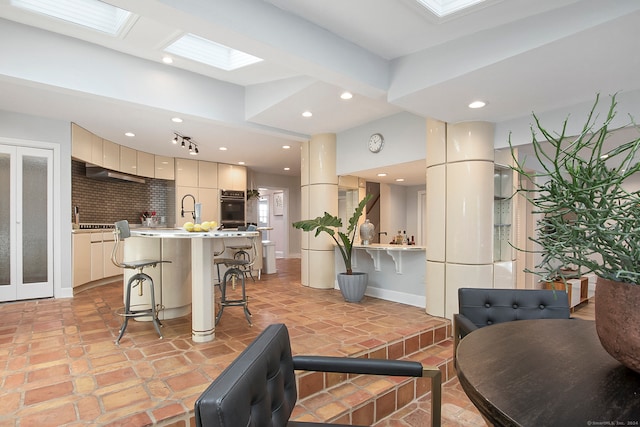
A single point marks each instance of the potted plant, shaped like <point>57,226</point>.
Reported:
<point>352,284</point>
<point>591,222</point>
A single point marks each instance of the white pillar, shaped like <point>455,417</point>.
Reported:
<point>460,166</point>
<point>319,188</point>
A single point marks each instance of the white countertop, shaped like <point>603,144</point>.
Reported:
<point>182,233</point>
<point>389,247</point>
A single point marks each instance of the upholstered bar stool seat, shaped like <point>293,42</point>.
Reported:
<point>138,280</point>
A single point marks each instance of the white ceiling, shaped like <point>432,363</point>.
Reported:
<point>518,55</point>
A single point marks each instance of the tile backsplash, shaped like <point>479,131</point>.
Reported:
<point>109,201</point>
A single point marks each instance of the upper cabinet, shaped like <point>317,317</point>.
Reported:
<point>186,173</point>
<point>110,155</point>
<point>232,177</point>
<point>128,160</point>
<point>146,164</point>
<point>207,174</point>
<point>86,146</point>
<point>164,167</point>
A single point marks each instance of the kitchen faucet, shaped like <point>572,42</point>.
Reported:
<point>193,212</point>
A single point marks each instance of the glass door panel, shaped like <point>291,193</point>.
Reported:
<point>35,202</point>
<point>26,219</point>
<point>6,241</point>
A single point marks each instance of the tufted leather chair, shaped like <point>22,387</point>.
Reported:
<point>258,389</point>
<point>479,307</point>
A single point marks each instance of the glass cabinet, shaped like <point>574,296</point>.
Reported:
<point>502,213</point>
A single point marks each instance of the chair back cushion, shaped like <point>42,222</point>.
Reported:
<point>257,389</point>
<point>489,306</point>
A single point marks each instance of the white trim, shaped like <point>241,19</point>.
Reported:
<point>58,290</point>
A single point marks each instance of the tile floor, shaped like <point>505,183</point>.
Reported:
<point>61,367</point>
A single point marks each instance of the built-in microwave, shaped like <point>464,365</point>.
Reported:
<point>232,208</point>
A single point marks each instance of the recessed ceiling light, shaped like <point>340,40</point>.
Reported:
<point>477,104</point>
<point>286,147</point>
<point>130,134</point>
<point>346,95</point>
<point>167,60</point>
<point>382,174</point>
<point>307,114</point>
<point>241,163</point>
<point>287,169</point>
<point>176,120</point>
<point>222,148</point>
<point>399,179</point>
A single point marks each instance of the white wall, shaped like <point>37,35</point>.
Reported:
<point>293,204</point>
<point>404,136</point>
<point>25,127</point>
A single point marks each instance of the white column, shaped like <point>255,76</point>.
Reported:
<point>319,188</point>
<point>460,166</point>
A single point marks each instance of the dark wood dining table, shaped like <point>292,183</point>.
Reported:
<point>549,372</point>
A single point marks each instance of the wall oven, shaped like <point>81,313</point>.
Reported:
<point>232,209</point>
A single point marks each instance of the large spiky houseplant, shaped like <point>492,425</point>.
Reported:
<point>590,220</point>
<point>331,225</point>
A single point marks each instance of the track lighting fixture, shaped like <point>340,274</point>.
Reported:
<point>185,141</point>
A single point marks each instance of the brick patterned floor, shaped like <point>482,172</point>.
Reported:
<point>60,365</point>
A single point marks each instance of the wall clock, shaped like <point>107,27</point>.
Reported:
<point>376,142</point>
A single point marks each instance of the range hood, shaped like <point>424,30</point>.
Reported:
<point>97,172</point>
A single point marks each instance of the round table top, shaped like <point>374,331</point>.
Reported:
<point>548,372</point>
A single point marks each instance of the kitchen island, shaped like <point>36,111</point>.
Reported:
<point>396,272</point>
<point>190,281</point>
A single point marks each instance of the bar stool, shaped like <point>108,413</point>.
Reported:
<point>236,271</point>
<point>233,275</point>
<point>122,232</point>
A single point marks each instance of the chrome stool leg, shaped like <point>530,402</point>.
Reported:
<point>233,274</point>
<point>128,313</point>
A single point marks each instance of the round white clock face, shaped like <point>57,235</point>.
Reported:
<point>376,141</point>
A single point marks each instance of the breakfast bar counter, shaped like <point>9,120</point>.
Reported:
<point>190,279</point>
<point>396,272</point>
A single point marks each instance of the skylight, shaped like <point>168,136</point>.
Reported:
<point>207,52</point>
<point>93,14</point>
<point>446,7</point>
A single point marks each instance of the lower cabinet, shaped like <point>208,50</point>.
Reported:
<point>81,248</point>
<point>92,257</point>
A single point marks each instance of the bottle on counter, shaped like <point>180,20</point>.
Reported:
<point>405,240</point>
<point>413,242</point>
<point>398,240</point>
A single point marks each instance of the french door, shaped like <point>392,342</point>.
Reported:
<point>26,223</point>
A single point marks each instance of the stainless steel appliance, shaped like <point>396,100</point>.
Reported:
<point>232,208</point>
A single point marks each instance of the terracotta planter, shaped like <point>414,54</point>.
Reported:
<point>618,321</point>
<point>353,286</point>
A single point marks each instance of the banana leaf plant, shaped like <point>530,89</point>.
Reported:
<point>331,224</point>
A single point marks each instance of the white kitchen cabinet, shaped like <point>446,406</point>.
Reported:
<point>110,155</point>
<point>81,258</point>
<point>232,177</point>
<point>186,172</point>
<point>209,197</point>
<point>207,174</point>
<point>128,161</point>
<point>80,143</point>
<point>97,257</point>
<point>85,146</point>
<point>108,242</point>
<point>164,167</point>
<point>146,164</point>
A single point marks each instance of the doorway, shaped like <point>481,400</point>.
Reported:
<point>26,223</point>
